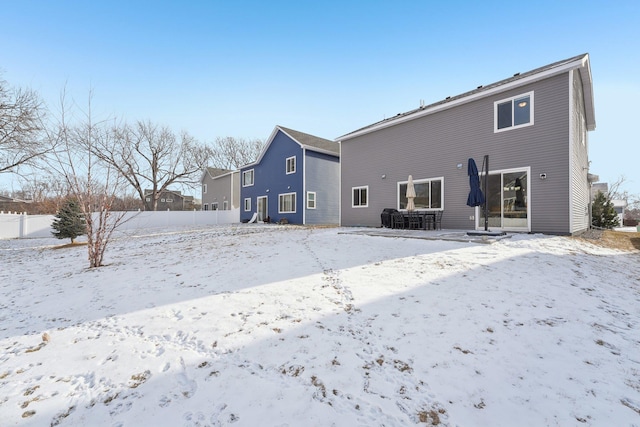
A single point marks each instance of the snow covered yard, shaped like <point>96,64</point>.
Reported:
<point>288,326</point>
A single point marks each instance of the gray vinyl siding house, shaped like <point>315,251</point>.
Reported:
<point>538,162</point>
<point>220,189</point>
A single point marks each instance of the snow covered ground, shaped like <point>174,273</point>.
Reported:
<point>263,325</point>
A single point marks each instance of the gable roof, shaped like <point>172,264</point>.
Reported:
<point>215,173</point>
<point>304,140</point>
<point>580,63</point>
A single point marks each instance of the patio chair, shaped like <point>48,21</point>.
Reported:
<point>430,221</point>
<point>438,221</point>
<point>414,222</point>
<point>397,220</point>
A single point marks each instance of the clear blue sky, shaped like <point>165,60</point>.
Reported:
<point>238,68</point>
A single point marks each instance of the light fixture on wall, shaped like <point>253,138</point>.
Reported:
<point>459,165</point>
<point>543,176</point>
<point>383,176</point>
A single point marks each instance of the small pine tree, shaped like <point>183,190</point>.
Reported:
<point>603,214</point>
<point>69,222</point>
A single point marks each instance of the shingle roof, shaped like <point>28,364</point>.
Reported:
<point>311,141</point>
<point>558,66</point>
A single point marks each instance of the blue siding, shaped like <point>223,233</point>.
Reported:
<point>271,179</point>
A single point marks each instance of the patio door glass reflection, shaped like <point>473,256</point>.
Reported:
<point>262,208</point>
<point>507,198</point>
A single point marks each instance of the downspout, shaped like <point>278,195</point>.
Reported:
<point>485,161</point>
<point>304,186</point>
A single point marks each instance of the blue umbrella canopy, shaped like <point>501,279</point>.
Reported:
<point>476,198</point>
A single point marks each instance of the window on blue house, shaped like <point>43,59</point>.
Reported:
<point>247,178</point>
<point>311,199</point>
<point>291,164</point>
<point>287,203</point>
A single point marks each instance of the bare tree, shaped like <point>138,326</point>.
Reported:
<point>94,184</point>
<point>616,192</point>
<point>233,153</point>
<point>21,126</point>
<point>152,157</point>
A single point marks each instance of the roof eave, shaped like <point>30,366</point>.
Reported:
<point>581,63</point>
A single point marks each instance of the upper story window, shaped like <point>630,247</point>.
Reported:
<point>247,178</point>
<point>512,113</point>
<point>291,164</point>
<point>204,188</point>
<point>360,197</point>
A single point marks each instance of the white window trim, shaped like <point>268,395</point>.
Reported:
<point>421,181</point>
<point>247,204</point>
<point>361,187</point>
<point>204,188</point>
<point>225,205</point>
<point>512,98</point>
<point>315,199</point>
<point>214,206</point>
<point>287,165</point>
<point>253,178</point>
<point>502,172</point>
<point>293,204</point>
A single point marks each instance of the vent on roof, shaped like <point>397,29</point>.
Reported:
<point>479,87</point>
<point>448,97</point>
<point>516,74</point>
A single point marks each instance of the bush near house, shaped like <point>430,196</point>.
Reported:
<point>603,213</point>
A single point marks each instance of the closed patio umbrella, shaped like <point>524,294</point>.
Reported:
<point>411,194</point>
<point>476,198</point>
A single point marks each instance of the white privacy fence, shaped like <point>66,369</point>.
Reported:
<point>15,225</point>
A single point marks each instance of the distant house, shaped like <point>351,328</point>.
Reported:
<point>8,203</point>
<point>220,189</point>
<point>295,178</point>
<point>171,200</point>
<point>531,127</point>
<point>620,206</point>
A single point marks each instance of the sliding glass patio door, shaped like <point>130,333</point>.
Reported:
<point>508,201</point>
<point>263,208</point>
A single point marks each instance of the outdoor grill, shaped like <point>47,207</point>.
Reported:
<point>385,216</point>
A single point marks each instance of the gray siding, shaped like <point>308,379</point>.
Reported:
<point>322,175</point>
<point>221,188</point>
<point>432,146</point>
<point>580,198</point>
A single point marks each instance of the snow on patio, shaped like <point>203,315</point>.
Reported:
<point>288,326</point>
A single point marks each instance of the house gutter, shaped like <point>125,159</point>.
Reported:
<point>582,64</point>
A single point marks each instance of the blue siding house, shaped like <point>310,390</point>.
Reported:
<point>296,178</point>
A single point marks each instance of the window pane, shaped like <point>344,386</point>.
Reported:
<point>422,195</point>
<point>504,115</point>
<point>356,197</point>
<point>436,194</point>
<point>521,111</point>
<point>403,196</point>
<point>363,196</point>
